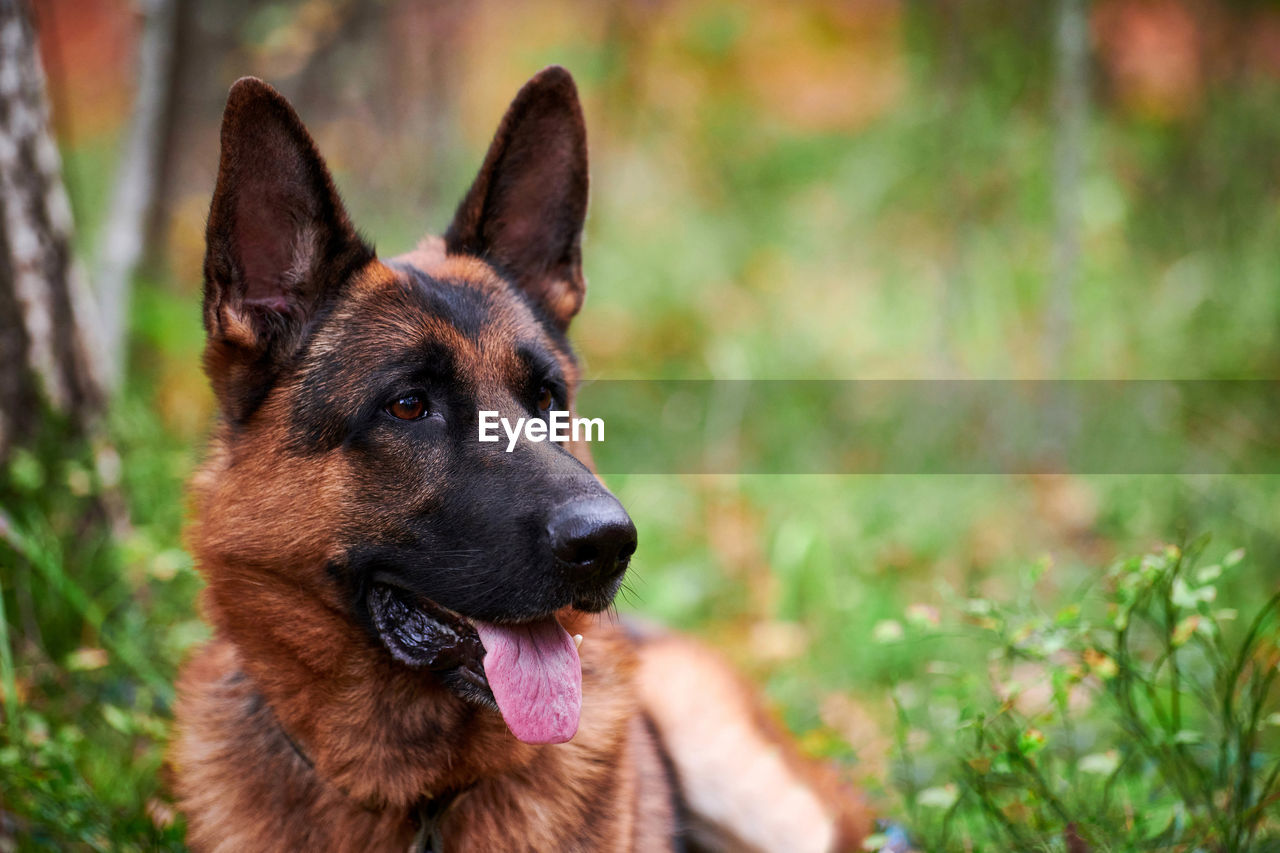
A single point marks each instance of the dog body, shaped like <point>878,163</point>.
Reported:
<point>392,600</point>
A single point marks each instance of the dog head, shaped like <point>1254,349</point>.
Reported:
<point>348,467</point>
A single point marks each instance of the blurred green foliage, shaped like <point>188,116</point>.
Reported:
<point>1139,717</point>
<point>737,230</point>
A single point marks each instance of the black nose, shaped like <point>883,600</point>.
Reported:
<point>592,536</point>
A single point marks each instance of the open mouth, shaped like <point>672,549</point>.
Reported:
<point>530,670</point>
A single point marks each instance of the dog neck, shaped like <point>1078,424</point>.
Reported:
<point>429,813</point>
<point>362,721</point>
<point>373,741</point>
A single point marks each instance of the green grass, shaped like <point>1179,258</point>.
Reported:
<point>1138,718</point>
<point>724,243</point>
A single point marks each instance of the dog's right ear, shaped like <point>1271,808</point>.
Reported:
<point>279,245</point>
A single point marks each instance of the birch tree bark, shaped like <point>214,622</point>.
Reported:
<point>48,355</point>
<point>124,230</point>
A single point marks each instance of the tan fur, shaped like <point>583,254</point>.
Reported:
<point>743,781</point>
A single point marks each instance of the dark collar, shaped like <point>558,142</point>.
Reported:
<point>430,814</point>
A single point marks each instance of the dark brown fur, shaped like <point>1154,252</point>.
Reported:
<point>296,729</point>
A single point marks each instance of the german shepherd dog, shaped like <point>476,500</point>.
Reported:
<point>394,663</point>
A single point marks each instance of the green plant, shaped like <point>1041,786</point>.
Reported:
<point>1145,723</point>
<point>85,680</point>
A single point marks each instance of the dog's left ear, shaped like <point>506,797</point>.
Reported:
<point>525,211</point>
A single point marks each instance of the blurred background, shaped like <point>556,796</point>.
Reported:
<point>870,189</point>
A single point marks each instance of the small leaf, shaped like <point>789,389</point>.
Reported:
<point>1182,595</point>
<point>1183,631</point>
<point>943,797</point>
<point>1020,636</point>
<point>168,563</point>
<point>1233,558</point>
<point>1209,573</point>
<point>117,719</point>
<point>1159,816</point>
<point>25,470</point>
<point>1100,763</point>
<point>1151,567</point>
<point>1052,644</point>
<point>923,615</point>
<point>1101,664</point>
<point>887,631</point>
<point>86,659</point>
<point>1031,741</point>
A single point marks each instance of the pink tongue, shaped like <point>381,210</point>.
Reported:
<point>536,677</point>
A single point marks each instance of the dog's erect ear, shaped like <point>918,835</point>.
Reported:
<point>525,211</point>
<point>278,245</point>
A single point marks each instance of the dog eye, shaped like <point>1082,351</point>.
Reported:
<point>545,399</point>
<point>410,407</point>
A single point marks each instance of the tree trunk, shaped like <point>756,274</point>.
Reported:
<point>124,231</point>
<point>48,358</point>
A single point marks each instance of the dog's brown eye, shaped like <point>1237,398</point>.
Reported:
<point>410,407</point>
<point>545,399</point>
